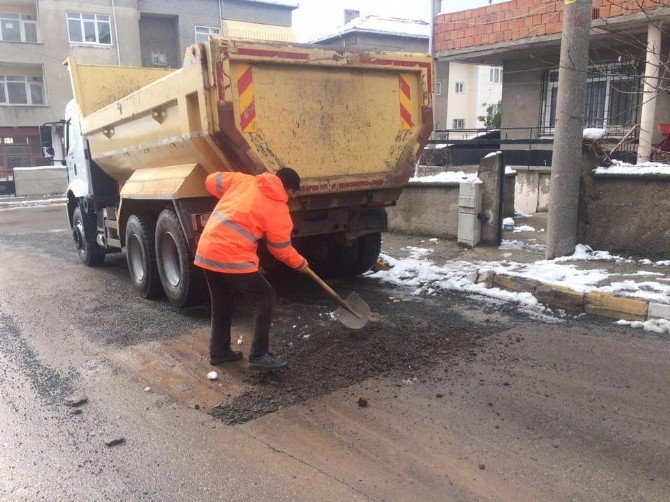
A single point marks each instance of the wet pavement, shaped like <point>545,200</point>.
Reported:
<point>465,400</point>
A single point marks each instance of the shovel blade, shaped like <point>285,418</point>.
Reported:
<point>358,305</point>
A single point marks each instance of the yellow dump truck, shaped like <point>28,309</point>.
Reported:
<point>139,142</point>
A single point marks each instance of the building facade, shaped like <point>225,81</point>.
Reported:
<point>628,38</point>
<point>36,36</point>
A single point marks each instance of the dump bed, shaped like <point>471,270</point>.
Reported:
<point>346,121</point>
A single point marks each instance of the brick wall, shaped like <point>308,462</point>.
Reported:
<point>520,19</point>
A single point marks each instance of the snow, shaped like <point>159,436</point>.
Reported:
<point>593,133</point>
<point>447,177</point>
<point>492,154</point>
<point>521,245</point>
<point>524,228</point>
<point>509,170</point>
<point>8,204</point>
<point>40,168</point>
<point>619,167</point>
<point>654,325</point>
<point>284,3</point>
<point>424,276</point>
<point>381,26</point>
<point>212,375</point>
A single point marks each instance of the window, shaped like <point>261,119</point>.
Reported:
<point>460,87</point>
<point>94,29</point>
<point>18,28</point>
<point>202,33</point>
<point>458,124</point>
<point>159,58</point>
<point>613,93</point>
<point>495,74</point>
<point>438,88</point>
<point>21,90</point>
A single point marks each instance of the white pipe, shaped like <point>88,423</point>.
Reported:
<point>220,18</point>
<point>116,35</point>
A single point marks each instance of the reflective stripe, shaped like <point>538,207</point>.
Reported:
<point>280,245</point>
<point>226,266</point>
<point>238,228</point>
<point>219,183</point>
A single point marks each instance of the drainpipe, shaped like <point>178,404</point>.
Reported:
<point>650,92</point>
<point>436,7</point>
<point>220,17</point>
<point>116,34</point>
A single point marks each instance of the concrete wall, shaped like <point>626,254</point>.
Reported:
<point>625,215</point>
<point>40,180</point>
<point>522,94</point>
<point>430,210</point>
<point>253,12</point>
<point>531,190</point>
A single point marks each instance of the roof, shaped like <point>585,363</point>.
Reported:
<point>280,3</point>
<point>380,26</point>
<point>255,31</point>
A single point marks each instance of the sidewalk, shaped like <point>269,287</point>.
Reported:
<point>13,202</point>
<point>631,291</point>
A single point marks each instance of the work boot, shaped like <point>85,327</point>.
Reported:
<point>228,357</point>
<point>266,362</point>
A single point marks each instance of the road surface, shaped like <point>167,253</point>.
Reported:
<point>465,400</point>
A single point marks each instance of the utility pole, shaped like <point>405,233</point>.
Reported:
<point>568,137</point>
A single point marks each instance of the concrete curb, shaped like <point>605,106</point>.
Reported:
<point>596,303</point>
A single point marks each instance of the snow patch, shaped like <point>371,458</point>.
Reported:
<point>524,228</point>
<point>593,133</point>
<point>619,167</point>
<point>654,325</point>
<point>448,177</point>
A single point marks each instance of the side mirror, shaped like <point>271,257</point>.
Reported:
<point>48,152</point>
<point>45,136</point>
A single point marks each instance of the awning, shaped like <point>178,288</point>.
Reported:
<point>256,31</point>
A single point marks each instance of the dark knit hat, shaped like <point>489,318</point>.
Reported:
<point>289,178</point>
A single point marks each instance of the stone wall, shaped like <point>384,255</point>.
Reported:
<point>628,215</point>
<point>40,180</point>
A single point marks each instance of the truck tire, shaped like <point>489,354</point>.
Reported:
<point>141,256</point>
<point>182,281</point>
<point>369,246</point>
<point>87,248</point>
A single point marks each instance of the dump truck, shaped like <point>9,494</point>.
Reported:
<point>138,144</point>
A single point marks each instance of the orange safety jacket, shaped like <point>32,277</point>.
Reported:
<point>250,208</point>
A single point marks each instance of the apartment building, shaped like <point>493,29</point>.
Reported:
<point>628,39</point>
<point>36,36</point>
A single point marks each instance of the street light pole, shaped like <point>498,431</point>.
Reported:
<point>568,137</point>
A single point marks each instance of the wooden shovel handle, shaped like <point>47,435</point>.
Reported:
<point>330,291</point>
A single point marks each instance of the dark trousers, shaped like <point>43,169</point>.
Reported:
<point>223,289</point>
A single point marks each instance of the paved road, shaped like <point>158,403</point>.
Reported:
<point>466,401</point>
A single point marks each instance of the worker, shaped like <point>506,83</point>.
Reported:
<point>249,208</point>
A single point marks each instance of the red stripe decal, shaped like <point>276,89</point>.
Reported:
<point>248,116</point>
<point>244,81</point>
<point>272,54</point>
<point>406,116</point>
<point>404,87</point>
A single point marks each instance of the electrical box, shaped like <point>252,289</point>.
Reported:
<point>469,207</point>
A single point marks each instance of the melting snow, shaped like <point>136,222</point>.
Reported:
<point>593,133</point>
<point>523,228</point>
<point>448,177</point>
<point>619,167</point>
<point>653,325</point>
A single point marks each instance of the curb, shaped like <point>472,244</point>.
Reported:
<point>595,303</point>
<point>31,203</point>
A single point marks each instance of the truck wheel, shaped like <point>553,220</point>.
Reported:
<point>87,248</point>
<point>369,246</point>
<point>141,256</point>
<point>182,281</point>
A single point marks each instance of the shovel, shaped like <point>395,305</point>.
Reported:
<point>354,312</point>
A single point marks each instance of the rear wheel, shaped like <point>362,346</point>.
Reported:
<point>332,259</point>
<point>182,281</point>
<point>87,248</point>
<point>141,256</point>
